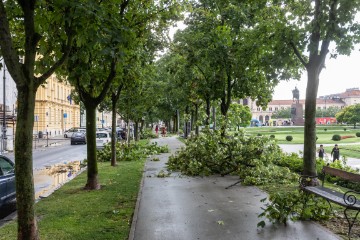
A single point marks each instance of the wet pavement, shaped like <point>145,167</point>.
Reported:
<point>191,208</point>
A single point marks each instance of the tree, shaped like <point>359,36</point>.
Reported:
<point>240,61</point>
<point>349,115</point>
<point>328,112</point>
<point>42,33</point>
<point>307,28</point>
<point>239,116</point>
<point>282,113</point>
<point>92,67</point>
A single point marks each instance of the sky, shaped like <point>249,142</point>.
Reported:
<point>340,74</point>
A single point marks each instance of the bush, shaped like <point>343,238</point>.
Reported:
<point>325,129</point>
<point>289,138</point>
<point>357,134</point>
<point>286,205</point>
<point>344,129</point>
<point>249,157</point>
<point>336,137</point>
<point>272,136</point>
<point>259,134</point>
<point>132,152</point>
<point>148,133</point>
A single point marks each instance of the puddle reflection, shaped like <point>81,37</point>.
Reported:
<point>52,177</point>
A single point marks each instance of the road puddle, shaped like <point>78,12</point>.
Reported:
<point>52,177</point>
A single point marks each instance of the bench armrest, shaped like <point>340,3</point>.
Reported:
<point>305,178</point>
<point>350,198</point>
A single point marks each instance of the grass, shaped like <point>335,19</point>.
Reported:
<point>352,151</point>
<point>73,213</point>
<point>297,133</point>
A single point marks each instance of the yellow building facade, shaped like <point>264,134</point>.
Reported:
<point>55,111</point>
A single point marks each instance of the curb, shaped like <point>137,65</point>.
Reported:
<point>137,206</point>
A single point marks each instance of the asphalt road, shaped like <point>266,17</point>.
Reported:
<point>57,153</point>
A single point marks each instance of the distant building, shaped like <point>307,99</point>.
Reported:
<point>340,100</point>
<point>55,110</point>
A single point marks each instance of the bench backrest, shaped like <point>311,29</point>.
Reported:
<point>353,177</point>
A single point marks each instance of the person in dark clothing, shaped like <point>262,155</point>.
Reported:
<point>335,153</point>
<point>321,151</point>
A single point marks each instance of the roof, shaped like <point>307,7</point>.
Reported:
<point>302,101</point>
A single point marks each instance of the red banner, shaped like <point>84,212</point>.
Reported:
<point>325,120</point>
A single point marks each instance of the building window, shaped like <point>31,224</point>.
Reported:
<point>270,109</point>
<point>258,109</point>
<point>276,108</point>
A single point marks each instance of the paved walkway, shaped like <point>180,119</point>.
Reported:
<point>195,208</point>
<point>297,148</point>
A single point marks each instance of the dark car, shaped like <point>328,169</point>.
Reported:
<point>78,137</point>
<point>69,132</point>
<point>7,180</point>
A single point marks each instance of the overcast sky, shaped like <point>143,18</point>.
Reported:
<point>339,74</point>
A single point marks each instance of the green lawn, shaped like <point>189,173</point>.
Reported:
<point>73,213</point>
<point>297,133</point>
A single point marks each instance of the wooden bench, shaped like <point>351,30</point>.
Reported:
<point>347,199</point>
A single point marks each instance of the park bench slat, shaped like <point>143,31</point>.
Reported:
<point>342,174</point>
<point>331,195</point>
<point>348,200</point>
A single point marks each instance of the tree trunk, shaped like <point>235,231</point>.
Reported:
<point>141,128</point>
<point>192,119</point>
<point>214,117</point>
<point>113,133</point>
<point>177,120</point>
<point>196,119</point>
<point>310,125</point>
<point>92,169</point>
<point>25,193</point>
<point>207,109</point>
<point>136,131</point>
<point>128,132</point>
<point>186,132</point>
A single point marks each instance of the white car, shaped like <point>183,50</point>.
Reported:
<point>102,138</point>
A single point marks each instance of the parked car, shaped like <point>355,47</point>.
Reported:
<point>7,180</point>
<point>102,138</point>
<point>78,137</point>
<point>121,133</point>
<point>69,132</point>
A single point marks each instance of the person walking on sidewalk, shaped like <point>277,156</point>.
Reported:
<point>335,153</point>
<point>157,129</point>
<point>321,152</point>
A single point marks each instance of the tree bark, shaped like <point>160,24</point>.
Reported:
<point>136,131</point>
<point>214,117</point>
<point>310,125</point>
<point>128,132</point>
<point>208,112</point>
<point>196,119</point>
<point>25,193</point>
<point>113,130</point>
<point>92,168</point>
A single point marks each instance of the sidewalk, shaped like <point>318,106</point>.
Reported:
<point>195,208</point>
<point>296,148</point>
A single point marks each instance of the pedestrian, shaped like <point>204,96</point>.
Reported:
<point>321,151</point>
<point>156,129</point>
<point>335,153</point>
